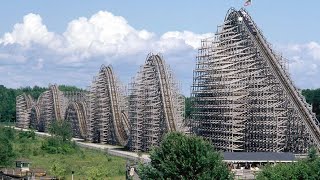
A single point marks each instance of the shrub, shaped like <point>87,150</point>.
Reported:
<point>184,157</point>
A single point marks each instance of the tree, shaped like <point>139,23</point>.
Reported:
<point>6,151</point>
<point>66,88</point>
<point>58,170</point>
<point>303,169</point>
<point>8,99</point>
<point>60,140</point>
<point>184,157</point>
<point>188,107</point>
<point>95,173</point>
<point>313,97</point>
<point>7,134</point>
<point>312,154</point>
<point>61,129</point>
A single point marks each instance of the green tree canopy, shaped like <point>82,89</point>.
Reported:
<point>312,154</point>
<point>58,170</point>
<point>313,97</point>
<point>8,98</point>
<point>6,149</point>
<point>61,129</point>
<point>303,169</point>
<point>6,152</point>
<point>66,88</point>
<point>184,157</point>
<point>188,106</point>
<point>60,140</point>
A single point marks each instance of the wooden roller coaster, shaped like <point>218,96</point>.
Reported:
<point>24,104</point>
<point>155,105</point>
<point>243,97</point>
<point>108,121</point>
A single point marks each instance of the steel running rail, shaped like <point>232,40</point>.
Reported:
<point>166,94</point>
<point>257,37</point>
<point>119,131</point>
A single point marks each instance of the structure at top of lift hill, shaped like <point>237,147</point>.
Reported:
<point>243,97</point>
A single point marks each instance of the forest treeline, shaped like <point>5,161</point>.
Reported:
<point>8,99</point>
<point>313,97</point>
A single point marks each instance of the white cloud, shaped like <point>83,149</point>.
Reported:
<point>87,42</point>
<point>103,34</point>
<point>304,63</point>
<point>39,64</point>
<point>12,57</point>
<point>30,31</point>
<point>314,50</point>
<point>31,54</point>
<point>186,37</point>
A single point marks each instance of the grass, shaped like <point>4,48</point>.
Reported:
<point>7,123</point>
<point>83,161</point>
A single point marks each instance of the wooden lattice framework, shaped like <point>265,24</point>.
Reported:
<point>107,122</point>
<point>76,115</point>
<point>243,98</point>
<point>24,104</point>
<point>155,105</point>
<point>52,105</point>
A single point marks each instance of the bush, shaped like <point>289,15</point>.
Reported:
<point>7,132</point>
<point>58,170</point>
<point>60,140</point>
<point>304,169</point>
<point>94,173</point>
<point>27,135</point>
<point>61,129</point>
<point>54,145</point>
<point>184,157</point>
<point>6,149</point>
<point>6,152</point>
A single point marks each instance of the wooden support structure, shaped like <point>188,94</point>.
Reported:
<point>243,98</point>
<point>107,122</point>
<point>24,104</point>
<point>155,105</point>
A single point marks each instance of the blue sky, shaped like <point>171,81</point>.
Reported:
<point>44,42</point>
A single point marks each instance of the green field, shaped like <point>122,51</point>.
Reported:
<point>84,162</point>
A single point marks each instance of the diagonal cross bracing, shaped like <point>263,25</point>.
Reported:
<point>243,99</point>
<point>24,104</point>
<point>108,120</point>
<point>155,105</point>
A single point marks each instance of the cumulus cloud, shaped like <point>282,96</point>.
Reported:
<point>186,37</point>
<point>304,63</point>
<point>30,31</point>
<point>103,34</point>
<point>33,55</point>
<point>314,50</point>
<point>86,43</point>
